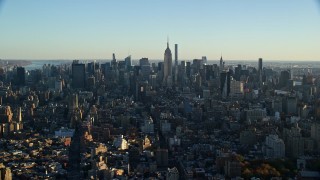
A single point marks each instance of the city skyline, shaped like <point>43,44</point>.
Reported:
<point>33,30</point>
<point>125,119</point>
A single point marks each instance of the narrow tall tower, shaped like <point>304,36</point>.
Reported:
<point>21,76</point>
<point>260,71</point>
<point>176,55</point>
<point>167,78</point>
<point>114,58</point>
<point>78,75</point>
<point>221,64</point>
<point>260,64</point>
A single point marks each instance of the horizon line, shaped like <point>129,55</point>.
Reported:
<point>93,59</point>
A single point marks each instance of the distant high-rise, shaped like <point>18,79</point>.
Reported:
<point>237,72</point>
<point>114,63</point>
<point>128,62</point>
<point>225,79</point>
<point>21,76</point>
<point>204,60</point>
<point>221,64</point>
<point>260,65</point>
<point>144,61</point>
<point>260,70</point>
<point>183,66</point>
<point>176,55</point>
<point>188,69</point>
<point>91,67</point>
<point>78,75</point>
<point>145,68</point>
<point>167,66</point>
<point>114,58</point>
<point>284,78</point>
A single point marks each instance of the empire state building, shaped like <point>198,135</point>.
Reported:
<point>167,69</point>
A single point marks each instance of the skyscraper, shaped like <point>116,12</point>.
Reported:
<point>144,61</point>
<point>145,68</point>
<point>221,64</point>
<point>204,60</point>
<point>114,58</point>
<point>114,63</point>
<point>284,78</point>
<point>78,75</point>
<point>225,79</point>
<point>260,65</point>
<point>176,55</point>
<point>188,69</point>
<point>91,67</point>
<point>21,77</point>
<point>128,62</point>
<point>260,71</point>
<point>167,79</point>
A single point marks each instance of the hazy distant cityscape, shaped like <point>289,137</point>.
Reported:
<point>166,119</point>
<point>159,90</point>
<point>35,64</point>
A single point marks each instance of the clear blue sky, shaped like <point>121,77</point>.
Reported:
<point>94,29</point>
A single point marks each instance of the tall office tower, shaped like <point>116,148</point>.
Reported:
<point>145,68</point>
<point>167,79</point>
<point>225,79</point>
<point>176,72</point>
<point>196,65</point>
<point>21,76</point>
<point>188,69</point>
<point>182,72</point>
<point>176,55</point>
<point>175,68</point>
<point>128,62</point>
<point>284,78</point>
<point>260,71</point>
<point>221,64</point>
<point>183,66</point>
<point>260,65</point>
<point>91,68</point>
<point>204,60</point>
<point>160,72</point>
<point>209,73</point>
<point>114,58</point>
<point>237,72</point>
<point>114,63</point>
<point>144,61</point>
<point>78,75</point>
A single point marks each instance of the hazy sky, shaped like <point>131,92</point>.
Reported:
<point>83,29</point>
